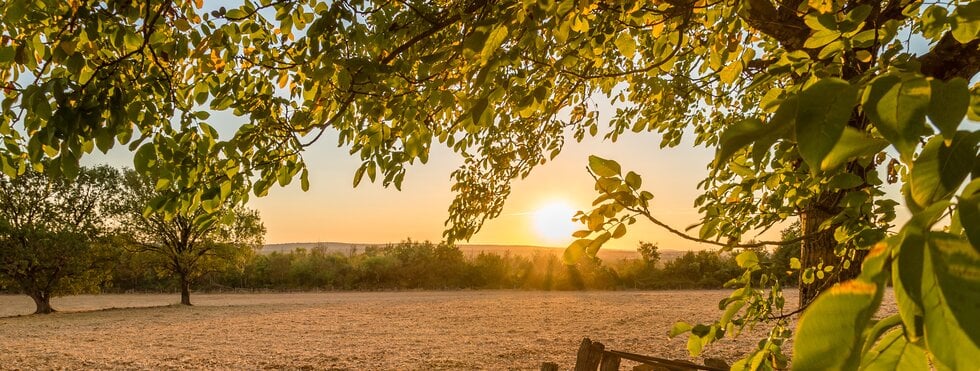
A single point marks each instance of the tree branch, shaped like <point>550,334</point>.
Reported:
<point>950,59</point>
<point>782,23</point>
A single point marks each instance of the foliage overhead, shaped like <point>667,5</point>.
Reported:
<point>812,106</point>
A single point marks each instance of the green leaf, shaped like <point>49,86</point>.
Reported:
<point>894,352</point>
<point>950,282</point>
<point>145,156</point>
<point>852,144</point>
<point>104,140</point>
<point>940,169</point>
<point>479,108</point>
<point>603,167</point>
<point>845,181</point>
<point>968,210</point>
<point>7,54</point>
<point>737,137</point>
<point>858,14</point>
<point>948,104</point>
<point>131,40</point>
<point>965,22</point>
<point>679,328</point>
<point>833,326</point>
<point>879,328</point>
<point>597,243</point>
<point>494,40</point>
<point>235,14</point>
<point>824,110</point>
<point>474,42</point>
<point>907,267</point>
<point>305,180</point>
<point>820,38</point>
<point>620,231</point>
<point>694,345</point>
<point>626,45</point>
<point>747,259</point>
<point>780,124</point>
<point>633,180</point>
<point>897,108</point>
<point>359,174</point>
<point>69,164</point>
<point>575,251</point>
<point>873,266</point>
<point>14,11</point>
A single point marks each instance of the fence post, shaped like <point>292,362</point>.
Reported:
<point>610,362</point>
<point>589,355</point>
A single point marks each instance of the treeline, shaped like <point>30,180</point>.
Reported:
<point>70,234</point>
<point>425,265</point>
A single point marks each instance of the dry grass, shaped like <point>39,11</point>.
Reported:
<point>389,330</point>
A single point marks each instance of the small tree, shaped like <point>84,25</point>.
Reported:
<point>53,232</point>
<point>785,264</point>
<point>649,252</point>
<point>191,242</point>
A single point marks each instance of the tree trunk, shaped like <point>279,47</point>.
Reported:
<point>821,248</point>
<point>42,302</point>
<point>185,290</point>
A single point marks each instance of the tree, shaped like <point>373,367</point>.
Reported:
<point>189,243</point>
<point>649,252</point>
<point>810,105</point>
<point>54,233</point>
<point>785,259</point>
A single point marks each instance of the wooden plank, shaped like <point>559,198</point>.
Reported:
<point>679,365</point>
<point>589,355</point>
<point>610,362</point>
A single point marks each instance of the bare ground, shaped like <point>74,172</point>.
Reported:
<point>386,330</point>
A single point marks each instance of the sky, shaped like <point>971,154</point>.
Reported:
<point>538,211</point>
<point>334,211</point>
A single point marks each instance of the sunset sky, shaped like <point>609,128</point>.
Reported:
<point>333,211</point>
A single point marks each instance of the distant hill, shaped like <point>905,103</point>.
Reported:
<point>468,250</point>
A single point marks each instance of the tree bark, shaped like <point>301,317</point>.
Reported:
<point>822,248</point>
<point>42,302</point>
<point>185,290</point>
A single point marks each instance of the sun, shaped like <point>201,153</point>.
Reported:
<point>553,221</point>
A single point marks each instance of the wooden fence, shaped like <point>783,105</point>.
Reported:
<point>592,356</point>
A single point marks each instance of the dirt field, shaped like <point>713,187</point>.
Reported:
<point>389,330</point>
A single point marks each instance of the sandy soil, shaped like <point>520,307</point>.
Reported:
<point>387,330</point>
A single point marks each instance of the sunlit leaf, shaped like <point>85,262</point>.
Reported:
<point>575,251</point>
<point>747,259</point>
<point>897,107</point>
<point>965,22</point>
<point>852,144</point>
<point>968,212</point>
<point>894,352</point>
<point>737,137</point>
<point>824,110</point>
<point>603,167</point>
<point>832,327</point>
<point>940,169</point>
<point>948,104</point>
<point>942,284</point>
<point>679,328</point>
